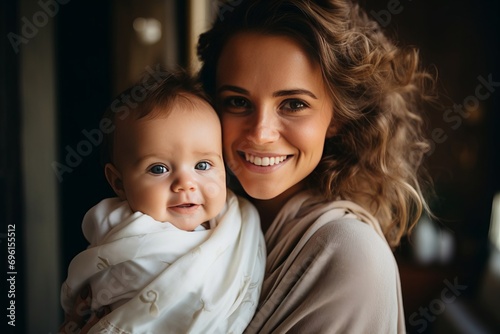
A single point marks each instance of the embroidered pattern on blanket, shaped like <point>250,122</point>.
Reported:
<point>168,280</point>
<point>150,297</point>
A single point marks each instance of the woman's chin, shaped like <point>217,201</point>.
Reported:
<point>259,192</point>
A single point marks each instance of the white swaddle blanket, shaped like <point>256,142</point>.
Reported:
<point>159,279</point>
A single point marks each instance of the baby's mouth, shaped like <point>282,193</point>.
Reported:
<point>186,205</point>
<point>184,208</point>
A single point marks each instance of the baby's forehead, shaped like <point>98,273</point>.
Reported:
<point>187,112</point>
<point>190,100</point>
<point>188,103</point>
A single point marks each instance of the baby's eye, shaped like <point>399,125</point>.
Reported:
<point>203,165</point>
<point>158,169</point>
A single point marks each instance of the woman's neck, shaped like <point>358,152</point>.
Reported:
<point>269,208</point>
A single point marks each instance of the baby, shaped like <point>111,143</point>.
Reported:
<point>174,252</point>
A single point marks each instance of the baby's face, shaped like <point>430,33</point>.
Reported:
<point>171,166</point>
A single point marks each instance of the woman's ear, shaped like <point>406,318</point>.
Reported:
<point>114,178</point>
<point>332,130</point>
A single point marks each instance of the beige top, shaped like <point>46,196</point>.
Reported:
<point>329,270</point>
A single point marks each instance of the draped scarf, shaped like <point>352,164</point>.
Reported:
<point>295,267</point>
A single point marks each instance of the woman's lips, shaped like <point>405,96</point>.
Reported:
<point>265,161</point>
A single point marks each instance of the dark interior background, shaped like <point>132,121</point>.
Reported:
<point>459,38</point>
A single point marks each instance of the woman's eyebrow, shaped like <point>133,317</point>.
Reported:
<point>289,92</point>
<point>285,92</point>
<point>235,89</point>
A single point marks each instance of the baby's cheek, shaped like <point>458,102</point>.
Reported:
<point>215,189</point>
<point>148,201</point>
<point>215,195</point>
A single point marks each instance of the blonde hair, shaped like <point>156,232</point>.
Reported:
<point>378,91</point>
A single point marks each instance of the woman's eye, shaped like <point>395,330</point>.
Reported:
<point>203,165</point>
<point>158,169</point>
<point>238,102</point>
<point>235,104</point>
<point>294,105</point>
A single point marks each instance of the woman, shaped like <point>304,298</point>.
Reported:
<point>322,128</point>
<point>319,88</point>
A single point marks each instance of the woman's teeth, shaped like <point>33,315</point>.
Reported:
<point>264,161</point>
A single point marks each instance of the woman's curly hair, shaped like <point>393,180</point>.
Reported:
<point>378,91</point>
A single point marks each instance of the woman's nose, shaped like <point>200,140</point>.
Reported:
<point>183,181</point>
<point>264,126</point>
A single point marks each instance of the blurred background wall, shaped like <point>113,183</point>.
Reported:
<point>63,62</point>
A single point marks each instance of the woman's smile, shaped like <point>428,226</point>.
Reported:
<point>275,112</point>
<point>264,161</point>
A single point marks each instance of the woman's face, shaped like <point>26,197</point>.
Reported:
<point>275,111</point>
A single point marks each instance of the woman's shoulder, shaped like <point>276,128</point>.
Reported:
<point>352,245</point>
<point>351,255</point>
<point>340,228</point>
<point>340,267</point>
<point>338,222</point>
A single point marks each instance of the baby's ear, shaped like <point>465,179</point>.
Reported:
<point>114,178</point>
